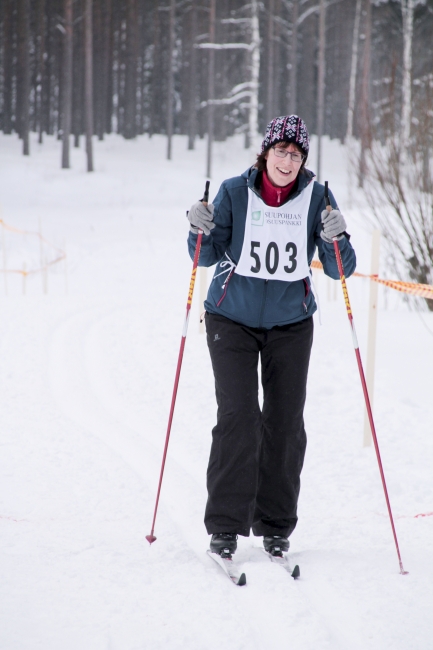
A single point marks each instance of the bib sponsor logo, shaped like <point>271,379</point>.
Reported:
<point>283,219</point>
<point>257,218</point>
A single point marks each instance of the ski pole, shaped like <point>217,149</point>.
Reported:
<point>151,538</point>
<point>363,382</point>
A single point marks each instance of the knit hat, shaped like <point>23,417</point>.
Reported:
<point>288,128</point>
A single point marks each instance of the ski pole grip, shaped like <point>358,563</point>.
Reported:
<point>205,199</point>
<point>327,201</point>
<point>328,207</point>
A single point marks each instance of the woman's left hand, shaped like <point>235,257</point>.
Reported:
<point>334,226</point>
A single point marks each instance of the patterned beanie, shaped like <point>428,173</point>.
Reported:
<point>288,128</point>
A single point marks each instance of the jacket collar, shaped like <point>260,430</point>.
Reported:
<point>253,177</point>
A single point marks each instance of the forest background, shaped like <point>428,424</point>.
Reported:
<point>356,70</point>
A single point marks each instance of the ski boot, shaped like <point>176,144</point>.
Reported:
<point>224,544</point>
<point>276,545</point>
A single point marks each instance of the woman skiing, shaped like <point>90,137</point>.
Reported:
<point>262,231</point>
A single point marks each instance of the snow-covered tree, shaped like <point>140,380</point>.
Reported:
<point>407,10</point>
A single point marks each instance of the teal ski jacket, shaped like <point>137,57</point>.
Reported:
<point>256,302</point>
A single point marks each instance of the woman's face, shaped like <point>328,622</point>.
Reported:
<point>282,171</point>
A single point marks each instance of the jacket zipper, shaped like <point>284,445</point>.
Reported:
<point>263,303</point>
<point>292,196</point>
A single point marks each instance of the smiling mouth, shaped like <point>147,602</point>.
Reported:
<point>282,171</point>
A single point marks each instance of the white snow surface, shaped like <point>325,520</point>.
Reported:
<point>86,378</point>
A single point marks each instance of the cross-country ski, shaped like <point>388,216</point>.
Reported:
<point>283,561</point>
<point>230,569</point>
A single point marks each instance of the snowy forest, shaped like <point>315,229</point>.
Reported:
<point>213,68</point>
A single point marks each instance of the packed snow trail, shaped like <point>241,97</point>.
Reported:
<point>84,388</point>
<point>85,384</point>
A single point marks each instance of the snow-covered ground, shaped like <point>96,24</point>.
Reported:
<point>86,375</point>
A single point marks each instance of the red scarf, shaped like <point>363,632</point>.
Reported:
<point>274,196</point>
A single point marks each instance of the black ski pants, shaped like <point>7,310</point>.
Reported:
<point>256,458</point>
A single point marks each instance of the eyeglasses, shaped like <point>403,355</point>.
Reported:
<point>294,155</point>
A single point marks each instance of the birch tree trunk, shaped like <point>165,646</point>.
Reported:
<point>156,75</point>
<point>47,101</point>
<point>292,98</point>
<point>407,9</point>
<point>24,68</point>
<point>353,69</point>
<point>270,74</point>
<point>121,65</point>
<point>67,83</point>
<point>88,81</point>
<point>109,101</point>
<point>7,66</point>
<point>253,124</point>
<point>78,76</point>
<point>321,86</point>
<point>365,101</point>
<point>211,88</point>
<point>141,71</point>
<point>40,28</point>
<point>170,79</point>
<point>279,107</point>
<point>106,63</point>
<point>129,127</point>
<point>58,81</point>
<point>192,118</point>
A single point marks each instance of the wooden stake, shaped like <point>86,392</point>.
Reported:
<point>372,323</point>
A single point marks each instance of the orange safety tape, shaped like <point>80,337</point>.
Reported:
<point>421,290</point>
<point>422,514</point>
<point>61,253</point>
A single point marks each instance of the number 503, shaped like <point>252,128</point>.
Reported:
<point>272,257</point>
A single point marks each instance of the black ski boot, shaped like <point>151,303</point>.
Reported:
<point>224,544</point>
<point>276,545</point>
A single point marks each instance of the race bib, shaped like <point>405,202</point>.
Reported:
<point>275,239</point>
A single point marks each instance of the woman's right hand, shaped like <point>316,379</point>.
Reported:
<point>200,217</point>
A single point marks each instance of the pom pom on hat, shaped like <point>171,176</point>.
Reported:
<point>288,128</point>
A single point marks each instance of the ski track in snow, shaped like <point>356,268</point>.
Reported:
<point>86,383</point>
<point>81,384</point>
